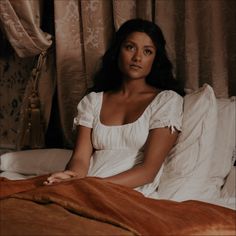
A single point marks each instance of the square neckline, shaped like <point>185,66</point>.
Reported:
<point>127,124</point>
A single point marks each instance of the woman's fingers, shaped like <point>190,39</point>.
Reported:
<point>60,176</point>
<point>55,178</point>
<point>51,181</point>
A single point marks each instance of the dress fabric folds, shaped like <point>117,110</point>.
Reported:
<point>120,147</point>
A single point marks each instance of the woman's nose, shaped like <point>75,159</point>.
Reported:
<point>137,56</point>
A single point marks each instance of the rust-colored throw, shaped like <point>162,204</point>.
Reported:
<point>91,206</point>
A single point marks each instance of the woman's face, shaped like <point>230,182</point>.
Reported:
<point>136,56</point>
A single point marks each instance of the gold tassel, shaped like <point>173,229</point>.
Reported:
<point>37,131</point>
<point>25,137</point>
<point>31,131</point>
<point>32,135</point>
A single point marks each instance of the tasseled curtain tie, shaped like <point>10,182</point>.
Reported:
<point>31,134</point>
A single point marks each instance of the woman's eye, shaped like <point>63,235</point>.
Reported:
<point>147,52</point>
<point>129,47</point>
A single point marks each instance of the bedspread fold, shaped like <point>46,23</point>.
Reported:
<point>116,205</point>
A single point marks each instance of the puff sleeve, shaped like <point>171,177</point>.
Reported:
<point>167,111</point>
<point>85,108</point>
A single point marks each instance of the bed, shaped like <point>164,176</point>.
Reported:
<point>196,195</point>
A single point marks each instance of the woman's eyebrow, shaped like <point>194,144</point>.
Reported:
<point>146,46</point>
<point>149,46</point>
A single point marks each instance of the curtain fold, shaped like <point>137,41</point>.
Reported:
<point>83,29</point>
<point>122,11</point>
<point>22,29</point>
<point>71,80</point>
<point>198,39</point>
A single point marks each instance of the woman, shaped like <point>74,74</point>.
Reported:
<point>132,117</point>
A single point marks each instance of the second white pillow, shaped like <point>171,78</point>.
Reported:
<point>186,169</point>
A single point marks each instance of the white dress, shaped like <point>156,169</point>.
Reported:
<point>120,147</point>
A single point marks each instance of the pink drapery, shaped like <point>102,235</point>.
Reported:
<point>199,34</point>
<point>20,21</point>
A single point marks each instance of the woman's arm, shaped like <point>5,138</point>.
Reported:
<point>82,152</point>
<point>157,147</point>
<point>79,163</point>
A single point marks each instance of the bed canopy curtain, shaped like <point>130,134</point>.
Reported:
<point>20,22</point>
<point>200,36</point>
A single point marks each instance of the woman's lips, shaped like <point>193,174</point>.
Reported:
<point>135,66</point>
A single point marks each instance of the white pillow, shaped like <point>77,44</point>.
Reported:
<point>228,191</point>
<point>35,162</point>
<point>15,176</point>
<point>224,143</point>
<point>185,174</point>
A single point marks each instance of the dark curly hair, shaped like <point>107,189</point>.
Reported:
<point>109,77</point>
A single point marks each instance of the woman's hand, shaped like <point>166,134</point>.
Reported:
<point>60,177</point>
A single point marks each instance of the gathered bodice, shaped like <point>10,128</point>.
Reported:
<point>120,147</point>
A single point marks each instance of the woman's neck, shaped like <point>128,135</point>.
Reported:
<point>130,87</point>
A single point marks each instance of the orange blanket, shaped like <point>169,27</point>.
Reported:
<point>108,208</point>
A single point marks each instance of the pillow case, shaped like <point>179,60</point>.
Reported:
<point>229,191</point>
<point>15,176</point>
<point>224,143</point>
<point>35,162</point>
<point>185,174</point>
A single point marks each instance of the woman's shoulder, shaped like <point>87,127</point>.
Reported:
<point>92,96</point>
<point>167,95</point>
<point>90,100</point>
<point>167,99</point>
